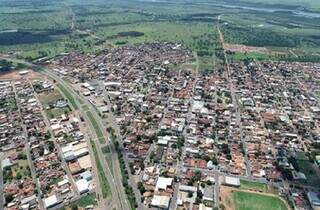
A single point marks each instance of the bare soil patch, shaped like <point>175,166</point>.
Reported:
<point>14,75</point>
<point>244,48</point>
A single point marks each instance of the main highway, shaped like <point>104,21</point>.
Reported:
<point>118,193</point>
<point>119,198</point>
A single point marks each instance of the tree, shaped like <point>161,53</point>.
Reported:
<point>199,194</point>
<point>197,175</point>
<point>74,207</point>
<point>214,161</point>
<point>8,198</point>
<point>141,188</point>
<point>18,176</point>
<point>5,65</point>
<point>152,155</point>
<point>203,185</point>
<point>22,156</point>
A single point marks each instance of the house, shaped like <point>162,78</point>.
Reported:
<point>314,199</point>
<point>163,183</point>
<point>82,185</point>
<point>232,181</point>
<point>208,193</point>
<point>6,163</point>
<point>160,201</point>
<point>51,201</point>
<point>87,175</point>
<point>186,194</point>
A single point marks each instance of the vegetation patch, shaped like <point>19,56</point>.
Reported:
<point>68,95</point>
<point>307,167</point>
<point>104,184</point>
<point>87,200</point>
<point>127,34</point>
<point>256,186</point>
<point>57,112</point>
<point>96,127</point>
<point>125,178</point>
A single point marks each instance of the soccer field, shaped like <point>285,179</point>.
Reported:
<point>251,201</point>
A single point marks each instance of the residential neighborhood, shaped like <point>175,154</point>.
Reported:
<point>46,161</point>
<point>144,119</point>
<point>186,132</point>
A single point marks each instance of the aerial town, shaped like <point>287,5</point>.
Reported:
<point>134,128</point>
<point>46,160</point>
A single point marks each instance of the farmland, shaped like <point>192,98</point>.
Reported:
<point>308,4</point>
<point>55,27</point>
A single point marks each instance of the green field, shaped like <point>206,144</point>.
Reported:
<point>82,202</point>
<point>248,185</point>
<point>55,27</point>
<point>309,4</point>
<point>104,184</point>
<point>68,96</point>
<point>51,97</point>
<point>257,186</point>
<point>96,127</point>
<point>251,201</point>
<point>57,112</point>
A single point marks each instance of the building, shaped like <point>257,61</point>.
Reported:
<point>87,175</point>
<point>24,72</point>
<point>163,183</point>
<point>232,181</point>
<point>51,201</point>
<point>82,185</point>
<point>314,199</point>
<point>160,201</point>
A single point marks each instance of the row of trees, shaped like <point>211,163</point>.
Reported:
<point>125,175</point>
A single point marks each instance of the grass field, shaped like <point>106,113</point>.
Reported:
<point>251,201</point>
<point>82,202</point>
<point>57,112</point>
<point>97,128</point>
<point>256,186</point>
<point>52,97</point>
<point>47,98</point>
<point>248,185</point>
<point>68,95</point>
<point>104,184</point>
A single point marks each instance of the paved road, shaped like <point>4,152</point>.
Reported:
<point>28,152</point>
<point>120,203</point>
<point>56,145</point>
<point>1,181</point>
<point>119,196</point>
<point>111,120</point>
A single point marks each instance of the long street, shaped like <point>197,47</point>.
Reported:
<point>115,182</point>
<point>57,146</point>
<point>28,149</point>
<point>121,203</point>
